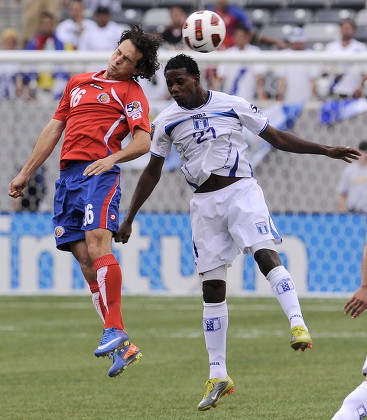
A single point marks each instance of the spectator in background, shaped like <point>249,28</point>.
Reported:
<point>104,34</point>
<point>352,187</point>
<point>235,16</point>
<point>172,35</point>
<point>348,82</point>
<point>91,6</point>
<point>33,10</point>
<point>241,79</point>
<point>56,78</point>
<point>292,76</point>
<point>70,29</point>
<point>11,80</point>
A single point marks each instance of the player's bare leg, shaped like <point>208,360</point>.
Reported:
<point>80,252</point>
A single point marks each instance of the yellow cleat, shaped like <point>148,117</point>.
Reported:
<point>301,338</point>
<point>214,389</point>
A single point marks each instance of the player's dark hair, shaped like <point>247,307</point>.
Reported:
<point>148,45</point>
<point>183,61</point>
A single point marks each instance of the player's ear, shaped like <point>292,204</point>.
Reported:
<point>137,71</point>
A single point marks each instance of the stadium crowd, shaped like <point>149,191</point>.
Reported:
<point>95,25</point>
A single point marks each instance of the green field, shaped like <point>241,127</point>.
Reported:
<point>48,370</point>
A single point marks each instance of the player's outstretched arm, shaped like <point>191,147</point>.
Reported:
<point>358,302</point>
<point>146,184</point>
<point>289,142</point>
<point>45,144</point>
<point>139,145</point>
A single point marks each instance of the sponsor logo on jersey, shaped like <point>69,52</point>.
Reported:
<point>133,108</point>
<point>113,217</point>
<point>203,115</point>
<point>96,86</point>
<point>255,109</point>
<point>104,98</point>
<point>136,116</point>
<point>59,231</point>
<point>200,123</point>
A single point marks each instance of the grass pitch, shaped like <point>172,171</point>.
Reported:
<point>48,370</point>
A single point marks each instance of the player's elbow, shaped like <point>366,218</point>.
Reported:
<point>145,148</point>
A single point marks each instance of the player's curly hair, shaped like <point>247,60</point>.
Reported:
<point>148,45</point>
<point>183,61</point>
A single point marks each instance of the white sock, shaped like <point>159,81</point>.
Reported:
<point>215,324</point>
<point>354,406</point>
<point>284,290</point>
<point>96,302</point>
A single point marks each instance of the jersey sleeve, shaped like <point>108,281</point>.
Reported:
<point>137,109</point>
<point>161,143</point>
<point>64,103</point>
<point>251,116</point>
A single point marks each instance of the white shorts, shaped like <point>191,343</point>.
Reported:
<point>229,221</point>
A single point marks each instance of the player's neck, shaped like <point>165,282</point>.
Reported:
<point>201,98</point>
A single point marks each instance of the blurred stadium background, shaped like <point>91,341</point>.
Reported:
<point>322,248</point>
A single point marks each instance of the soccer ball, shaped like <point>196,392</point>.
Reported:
<point>204,31</point>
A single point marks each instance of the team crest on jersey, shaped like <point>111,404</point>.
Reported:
<point>362,411</point>
<point>201,123</point>
<point>59,231</point>
<point>104,98</point>
<point>262,228</point>
<point>133,108</point>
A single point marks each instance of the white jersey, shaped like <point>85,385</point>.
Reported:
<point>209,138</point>
<point>69,32</point>
<point>353,183</point>
<point>240,79</point>
<point>96,38</point>
<point>351,74</point>
<point>297,75</point>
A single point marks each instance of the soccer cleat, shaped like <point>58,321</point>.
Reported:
<point>124,357</point>
<point>214,389</point>
<point>112,339</point>
<point>301,338</point>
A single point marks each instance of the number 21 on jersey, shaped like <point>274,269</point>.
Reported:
<point>201,136</point>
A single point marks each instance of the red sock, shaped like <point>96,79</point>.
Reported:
<point>97,300</point>
<point>109,280</point>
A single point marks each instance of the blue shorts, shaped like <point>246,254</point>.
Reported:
<point>85,203</point>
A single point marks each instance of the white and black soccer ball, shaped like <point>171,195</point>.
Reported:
<point>204,31</point>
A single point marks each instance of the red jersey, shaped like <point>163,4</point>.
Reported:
<point>99,113</point>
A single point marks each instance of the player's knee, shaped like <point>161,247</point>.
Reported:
<point>214,284</point>
<point>214,291</point>
<point>267,259</point>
